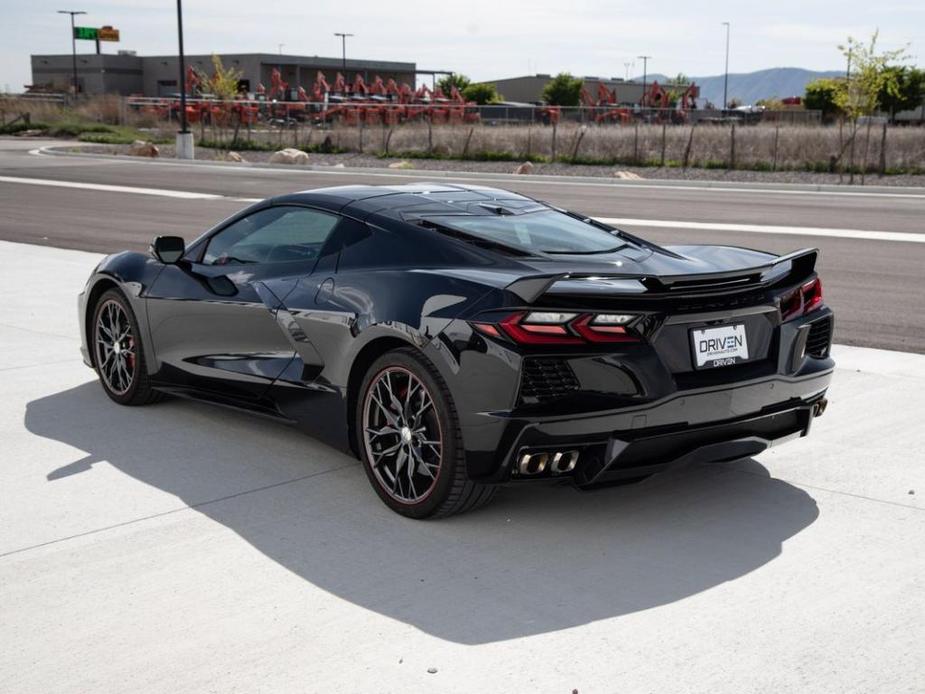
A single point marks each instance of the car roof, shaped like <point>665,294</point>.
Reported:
<point>396,198</point>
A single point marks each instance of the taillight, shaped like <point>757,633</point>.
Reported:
<point>593,329</point>
<point>812,295</point>
<point>536,328</point>
<point>561,328</point>
<point>803,300</point>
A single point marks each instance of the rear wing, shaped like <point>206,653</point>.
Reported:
<point>786,269</point>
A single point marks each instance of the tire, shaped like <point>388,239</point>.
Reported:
<point>429,481</point>
<point>122,370</point>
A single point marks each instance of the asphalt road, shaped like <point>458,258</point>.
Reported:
<point>876,286</point>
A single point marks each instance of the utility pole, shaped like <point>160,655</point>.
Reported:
<point>184,137</point>
<point>73,45</point>
<point>645,73</point>
<point>726,74</point>
<point>281,48</point>
<point>343,51</point>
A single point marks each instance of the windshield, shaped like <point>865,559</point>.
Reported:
<point>547,231</point>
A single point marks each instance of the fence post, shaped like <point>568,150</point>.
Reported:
<point>776,139</point>
<point>636,143</point>
<point>360,133</point>
<point>465,152</point>
<point>664,136</point>
<point>554,128</point>
<point>578,138</point>
<point>687,150</point>
<point>732,146</point>
<point>882,166</point>
<point>430,136</point>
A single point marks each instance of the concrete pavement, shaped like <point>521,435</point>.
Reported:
<point>184,548</point>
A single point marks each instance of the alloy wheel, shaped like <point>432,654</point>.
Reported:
<point>115,347</point>
<point>402,435</point>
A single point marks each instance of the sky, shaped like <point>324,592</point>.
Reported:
<point>484,39</point>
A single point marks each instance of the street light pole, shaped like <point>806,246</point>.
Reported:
<point>726,74</point>
<point>645,73</point>
<point>184,137</point>
<point>73,44</point>
<point>343,49</point>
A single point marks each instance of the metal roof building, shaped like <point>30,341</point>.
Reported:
<point>125,73</point>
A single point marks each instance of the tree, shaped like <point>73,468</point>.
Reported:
<point>822,95</point>
<point>454,79</point>
<point>676,88</point>
<point>910,90</point>
<point>869,77</point>
<point>224,81</point>
<point>482,93</point>
<point>563,90</point>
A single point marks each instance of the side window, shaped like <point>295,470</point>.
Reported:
<point>364,246</point>
<point>280,234</point>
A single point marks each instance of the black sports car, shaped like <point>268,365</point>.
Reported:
<point>455,338</point>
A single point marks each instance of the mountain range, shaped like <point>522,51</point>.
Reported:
<point>749,87</point>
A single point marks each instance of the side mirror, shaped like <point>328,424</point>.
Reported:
<point>168,249</point>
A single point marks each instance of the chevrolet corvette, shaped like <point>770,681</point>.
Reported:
<point>459,338</point>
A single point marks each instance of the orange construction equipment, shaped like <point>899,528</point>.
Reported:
<point>605,109</point>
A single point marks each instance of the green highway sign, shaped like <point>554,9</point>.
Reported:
<point>106,33</point>
<point>86,33</point>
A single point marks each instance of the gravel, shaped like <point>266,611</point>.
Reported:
<point>556,169</point>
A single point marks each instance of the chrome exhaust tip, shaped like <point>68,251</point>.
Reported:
<point>564,461</point>
<point>819,407</point>
<point>532,463</point>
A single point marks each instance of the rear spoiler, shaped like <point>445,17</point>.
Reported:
<point>802,263</point>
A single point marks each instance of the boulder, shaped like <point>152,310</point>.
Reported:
<point>234,156</point>
<point>525,168</point>
<point>289,156</point>
<point>403,164</point>
<point>140,148</point>
<point>627,175</point>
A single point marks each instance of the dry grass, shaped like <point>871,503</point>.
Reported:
<point>763,146</point>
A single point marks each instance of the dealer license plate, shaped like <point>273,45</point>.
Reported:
<point>721,346</point>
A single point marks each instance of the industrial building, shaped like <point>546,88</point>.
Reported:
<point>129,74</point>
<point>529,88</point>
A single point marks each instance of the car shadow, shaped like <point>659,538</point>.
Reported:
<point>535,561</point>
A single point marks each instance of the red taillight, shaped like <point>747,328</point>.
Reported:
<point>803,300</point>
<point>812,295</point>
<point>551,328</point>
<point>586,327</point>
<point>536,333</point>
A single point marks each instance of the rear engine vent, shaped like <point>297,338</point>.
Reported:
<point>820,338</point>
<point>546,379</point>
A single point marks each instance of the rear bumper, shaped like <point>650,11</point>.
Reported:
<point>715,424</point>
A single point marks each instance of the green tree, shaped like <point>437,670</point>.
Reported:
<point>482,93</point>
<point>563,90</point>
<point>224,81</point>
<point>676,87</point>
<point>454,79</point>
<point>869,77</point>
<point>822,95</point>
<point>910,90</point>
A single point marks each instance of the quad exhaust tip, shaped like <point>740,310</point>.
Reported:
<point>531,464</point>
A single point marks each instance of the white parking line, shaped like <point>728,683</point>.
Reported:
<point>163,192</point>
<point>768,229</point>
